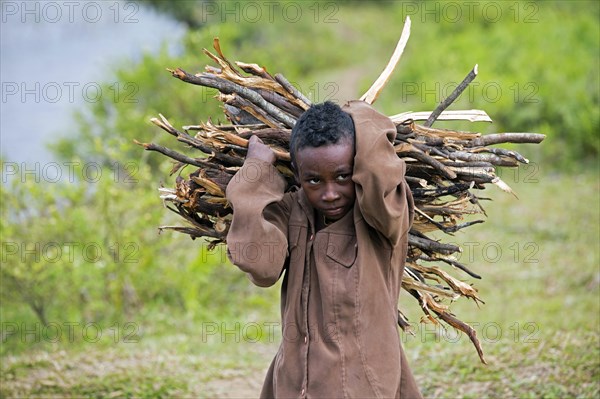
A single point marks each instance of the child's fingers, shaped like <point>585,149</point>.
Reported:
<point>258,149</point>
<point>255,139</point>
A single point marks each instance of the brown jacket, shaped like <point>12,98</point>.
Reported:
<point>341,284</point>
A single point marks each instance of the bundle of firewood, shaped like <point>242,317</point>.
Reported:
<point>444,167</point>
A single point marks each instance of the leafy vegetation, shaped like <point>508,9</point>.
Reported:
<point>547,83</point>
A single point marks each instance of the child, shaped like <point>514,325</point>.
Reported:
<point>340,242</point>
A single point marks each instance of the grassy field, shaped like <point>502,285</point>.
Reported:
<point>539,328</point>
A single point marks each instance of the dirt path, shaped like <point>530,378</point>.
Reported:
<point>240,387</point>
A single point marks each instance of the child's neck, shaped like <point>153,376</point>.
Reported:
<point>321,221</point>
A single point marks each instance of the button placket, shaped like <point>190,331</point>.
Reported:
<point>306,294</point>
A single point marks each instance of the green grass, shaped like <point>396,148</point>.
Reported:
<point>160,369</point>
<point>539,328</point>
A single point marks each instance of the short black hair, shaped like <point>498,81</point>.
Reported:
<point>321,124</point>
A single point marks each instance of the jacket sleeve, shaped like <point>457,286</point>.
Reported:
<point>384,198</point>
<point>257,237</point>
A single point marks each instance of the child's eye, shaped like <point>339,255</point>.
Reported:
<point>314,180</point>
<point>343,177</point>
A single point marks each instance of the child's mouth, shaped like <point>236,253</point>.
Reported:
<point>333,212</point>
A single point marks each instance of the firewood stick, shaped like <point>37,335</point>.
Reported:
<point>467,329</point>
<point>472,115</point>
<point>475,176</point>
<point>242,144</point>
<point>305,103</point>
<point>432,246</point>
<point>453,96</point>
<point>237,115</point>
<point>279,136</point>
<point>178,156</point>
<point>418,170</point>
<point>475,157</point>
<point>427,303</point>
<point>441,191</point>
<point>410,282</point>
<point>164,124</point>
<point>281,102</point>
<point>245,105</point>
<point>371,95</point>
<point>456,285</point>
<point>503,152</point>
<point>498,138</point>
<point>445,133</point>
<point>261,78</point>
<point>473,171</point>
<point>254,69</point>
<point>235,128</point>
<point>468,164</point>
<point>421,156</point>
<point>404,324</point>
<point>195,143</point>
<point>228,87</point>
<point>224,62</point>
<point>452,262</point>
<point>440,226</point>
<point>191,217</point>
<point>416,180</point>
<point>193,232</point>
<point>462,226</point>
<point>273,98</point>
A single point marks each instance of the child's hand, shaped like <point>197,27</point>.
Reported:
<point>257,149</point>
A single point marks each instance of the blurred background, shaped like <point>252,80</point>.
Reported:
<point>94,302</point>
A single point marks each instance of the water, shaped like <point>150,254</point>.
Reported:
<point>54,56</point>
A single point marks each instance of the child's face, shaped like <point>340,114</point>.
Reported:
<point>325,174</point>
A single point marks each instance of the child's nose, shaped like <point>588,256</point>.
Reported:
<point>330,194</point>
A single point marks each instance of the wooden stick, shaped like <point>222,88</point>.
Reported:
<point>416,180</point>
<point>371,95</point>
<point>451,262</point>
<point>193,232</point>
<point>467,164</point>
<point>476,157</point>
<point>499,138</point>
<point>404,324</point>
<point>426,159</point>
<point>467,329</point>
<point>441,191</point>
<point>453,96</point>
<point>281,102</point>
<point>177,156</point>
<point>504,152</point>
<point>254,69</point>
<point>430,245</point>
<point>241,103</point>
<point>227,87</point>
<point>195,143</point>
<point>472,115</point>
<point>305,102</point>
